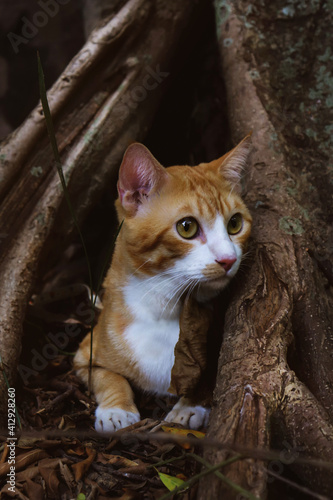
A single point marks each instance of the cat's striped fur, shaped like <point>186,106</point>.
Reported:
<point>153,268</point>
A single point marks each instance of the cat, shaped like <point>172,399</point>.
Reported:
<point>184,232</point>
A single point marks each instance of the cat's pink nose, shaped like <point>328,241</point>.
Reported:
<point>227,263</point>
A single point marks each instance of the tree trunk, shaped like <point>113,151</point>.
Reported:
<point>105,99</point>
<point>275,369</point>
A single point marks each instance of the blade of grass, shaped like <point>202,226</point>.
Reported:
<point>192,455</point>
<point>54,145</point>
<point>209,470</point>
<point>224,478</point>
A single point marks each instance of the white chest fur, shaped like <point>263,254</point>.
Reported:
<point>154,332</point>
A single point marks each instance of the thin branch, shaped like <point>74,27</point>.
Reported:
<point>209,470</point>
<point>224,478</point>
<point>303,489</point>
<point>257,453</point>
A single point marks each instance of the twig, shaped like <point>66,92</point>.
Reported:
<point>258,453</point>
<point>224,478</point>
<point>64,386</point>
<point>56,401</point>
<point>303,489</point>
<point>210,470</point>
<point>167,461</point>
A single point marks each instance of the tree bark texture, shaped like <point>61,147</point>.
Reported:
<point>104,100</point>
<point>276,363</point>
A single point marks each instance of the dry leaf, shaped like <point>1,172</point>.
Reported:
<point>78,450</point>
<point>28,473</point>
<point>171,482</point>
<point>34,490</point>
<point>191,348</point>
<point>47,469</point>
<point>67,475</point>
<point>27,442</point>
<point>181,476</point>
<point>66,423</point>
<point>183,432</point>
<point>51,463</point>
<point>17,494</point>
<point>4,454</point>
<point>81,467</point>
<point>128,495</point>
<point>49,443</point>
<point>121,461</point>
<point>23,460</point>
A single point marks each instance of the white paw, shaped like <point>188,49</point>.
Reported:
<point>113,419</point>
<point>191,417</point>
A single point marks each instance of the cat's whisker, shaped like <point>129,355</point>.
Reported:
<point>246,262</point>
<point>183,286</point>
<point>149,279</point>
<point>139,326</point>
<point>140,267</point>
<point>168,274</point>
<point>189,286</point>
<point>193,286</point>
<point>154,288</point>
<point>167,281</point>
<point>199,286</point>
<point>243,267</point>
<point>177,293</point>
<point>231,192</point>
<point>189,290</point>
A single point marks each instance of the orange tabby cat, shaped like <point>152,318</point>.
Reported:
<point>184,232</point>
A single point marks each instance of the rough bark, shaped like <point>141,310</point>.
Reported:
<point>275,367</point>
<point>105,99</point>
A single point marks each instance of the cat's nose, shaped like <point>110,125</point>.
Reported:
<point>227,263</point>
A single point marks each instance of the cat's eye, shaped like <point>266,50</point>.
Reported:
<point>187,228</point>
<point>235,224</point>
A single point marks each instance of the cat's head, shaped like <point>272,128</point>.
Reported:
<point>185,222</point>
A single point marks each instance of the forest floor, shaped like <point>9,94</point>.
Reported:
<point>58,453</point>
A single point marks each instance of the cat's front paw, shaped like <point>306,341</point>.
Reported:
<point>192,417</point>
<point>113,419</point>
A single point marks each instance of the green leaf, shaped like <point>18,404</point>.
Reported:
<point>170,482</point>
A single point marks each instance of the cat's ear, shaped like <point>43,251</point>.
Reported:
<point>233,163</point>
<point>140,175</point>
